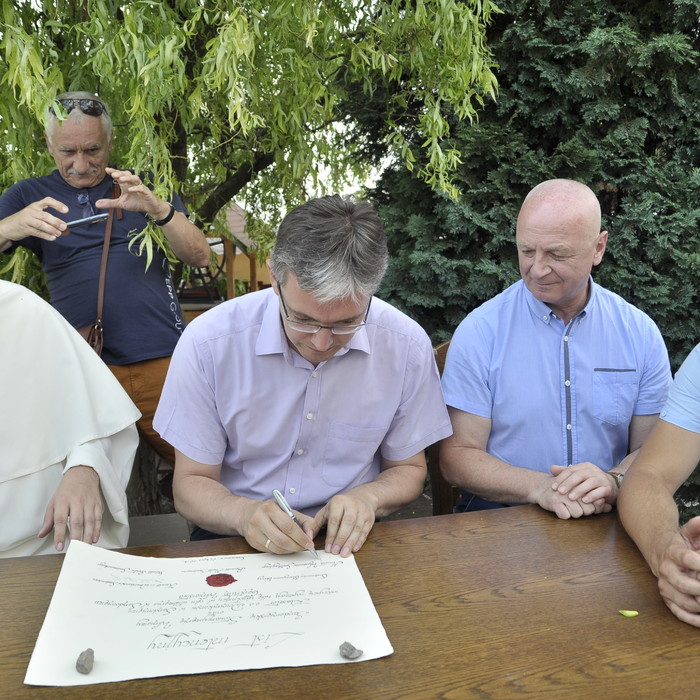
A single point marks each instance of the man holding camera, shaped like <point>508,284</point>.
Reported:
<point>142,318</point>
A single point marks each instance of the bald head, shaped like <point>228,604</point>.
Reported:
<point>568,205</point>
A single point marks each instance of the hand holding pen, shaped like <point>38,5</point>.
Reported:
<point>282,503</point>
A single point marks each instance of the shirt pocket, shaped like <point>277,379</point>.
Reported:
<point>614,394</point>
<point>350,451</point>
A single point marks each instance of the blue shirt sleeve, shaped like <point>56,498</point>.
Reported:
<point>683,404</point>
<point>465,383</point>
<point>656,375</point>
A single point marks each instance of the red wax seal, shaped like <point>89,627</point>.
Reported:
<point>218,580</point>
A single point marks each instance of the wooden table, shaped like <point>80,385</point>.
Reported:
<point>496,604</point>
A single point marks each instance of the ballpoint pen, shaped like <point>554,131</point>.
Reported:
<point>282,503</point>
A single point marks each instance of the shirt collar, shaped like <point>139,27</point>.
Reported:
<point>541,311</point>
<point>271,338</point>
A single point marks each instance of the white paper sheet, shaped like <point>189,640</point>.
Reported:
<point>147,617</point>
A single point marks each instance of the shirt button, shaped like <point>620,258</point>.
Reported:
<point>568,427</point>
<point>292,490</point>
<point>314,374</point>
<point>567,383</point>
<point>300,451</point>
<point>545,318</point>
<point>566,338</point>
<point>309,416</point>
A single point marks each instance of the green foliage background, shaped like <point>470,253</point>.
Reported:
<point>605,92</point>
<point>228,97</point>
<point>242,98</point>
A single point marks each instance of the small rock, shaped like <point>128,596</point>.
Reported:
<point>348,651</point>
<point>85,661</point>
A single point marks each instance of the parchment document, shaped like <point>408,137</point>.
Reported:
<point>147,617</point>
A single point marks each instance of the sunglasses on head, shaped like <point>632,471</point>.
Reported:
<point>93,108</point>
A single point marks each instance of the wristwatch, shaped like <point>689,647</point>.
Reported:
<point>618,478</point>
<point>166,219</point>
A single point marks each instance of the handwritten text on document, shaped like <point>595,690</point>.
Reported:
<point>147,617</point>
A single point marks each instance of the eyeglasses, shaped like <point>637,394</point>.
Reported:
<point>307,327</point>
<point>93,108</point>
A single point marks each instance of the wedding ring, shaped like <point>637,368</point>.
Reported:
<point>267,544</point>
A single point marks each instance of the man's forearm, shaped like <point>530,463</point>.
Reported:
<point>209,504</point>
<point>649,514</point>
<point>393,488</point>
<point>187,241</point>
<point>489,477</point>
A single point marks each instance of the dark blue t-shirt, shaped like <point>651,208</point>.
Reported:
<point>142,317</point>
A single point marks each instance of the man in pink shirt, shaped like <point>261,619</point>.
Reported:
<point>314,388</point>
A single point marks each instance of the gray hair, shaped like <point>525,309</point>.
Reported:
<point>336,247</point>
<point>78,95</point>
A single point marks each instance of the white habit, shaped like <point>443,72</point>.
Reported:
<point>60,407</point>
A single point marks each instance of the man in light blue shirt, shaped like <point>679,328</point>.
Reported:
<point>553,384</point>
<point>314,388</point>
